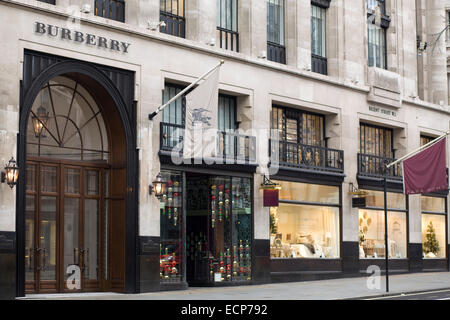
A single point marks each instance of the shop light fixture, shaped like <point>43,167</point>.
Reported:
<point>158,186</point>
<point>11,174</point>
<point>40,121</point>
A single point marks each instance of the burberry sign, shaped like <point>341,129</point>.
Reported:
<point>80,37</point>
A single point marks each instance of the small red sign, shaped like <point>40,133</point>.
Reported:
<point>271,198</point>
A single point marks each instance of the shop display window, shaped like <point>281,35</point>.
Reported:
<point>230,228</point>
<point>371,234</point>
<point>302,230</point>
<point>171,210</point>
<point>434,219</point>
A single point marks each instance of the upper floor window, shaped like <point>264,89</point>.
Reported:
<point>227,113</point>
<point>425,139</point>
<point>377,24</point>
<point>376,141</point>
<point>110,9</point>
<point>174,112</point>
<point>227,25</point>
<point>276,50</point>
<point>296,126</point>
<point>447,23</point>
<point>172,13</point>
<point>47,1</point>
<point>318,39</point>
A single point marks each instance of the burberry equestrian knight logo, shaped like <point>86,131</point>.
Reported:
<point>80,37</point>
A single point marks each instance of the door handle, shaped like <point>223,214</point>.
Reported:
<point>44,252</point>
<point>37,253</point>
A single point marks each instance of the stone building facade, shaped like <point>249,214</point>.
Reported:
<point>348,86</point>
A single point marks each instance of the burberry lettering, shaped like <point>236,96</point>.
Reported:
<point>77,36</point>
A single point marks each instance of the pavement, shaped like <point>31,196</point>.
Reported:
<point>348,288</point>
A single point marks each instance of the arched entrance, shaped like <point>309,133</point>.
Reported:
<point>76,188</point>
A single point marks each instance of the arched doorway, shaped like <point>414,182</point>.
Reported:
<point>75,189</point>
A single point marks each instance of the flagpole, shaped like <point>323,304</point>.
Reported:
<point>386,243</point>
<point>419,149</point>
<point>152,115</point>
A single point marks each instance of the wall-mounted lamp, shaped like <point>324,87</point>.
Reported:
<point>40,121</point>
<point>158,186</point>
<point>421,46</point>
<point>11,174</point>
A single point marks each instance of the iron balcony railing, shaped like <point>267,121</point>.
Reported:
<point>276,52</point>
<point>374,166</point>
<point>306,156</point>
<point>319,64</point>
<point>230,145</point>
<point>228,39</point>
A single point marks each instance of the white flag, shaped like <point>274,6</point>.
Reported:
<point>201,119</point>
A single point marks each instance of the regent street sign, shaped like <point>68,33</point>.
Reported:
<point>80,37</point>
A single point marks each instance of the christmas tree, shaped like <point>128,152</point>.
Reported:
<point>431,244</point>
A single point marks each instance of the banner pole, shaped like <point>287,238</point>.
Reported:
<point>386,242</point>
<point>152,115</point>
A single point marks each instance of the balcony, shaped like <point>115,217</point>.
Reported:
<point>232,147</point>
<point>315,158</point>
<point>373,166</point>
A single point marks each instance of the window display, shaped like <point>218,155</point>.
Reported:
<point>300,230</point>
<point>171,228</point>
<point>434,221</point>
<point>230,223</point>
<point>371,234</point>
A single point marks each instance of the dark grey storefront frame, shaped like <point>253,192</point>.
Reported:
<point>38,69</point>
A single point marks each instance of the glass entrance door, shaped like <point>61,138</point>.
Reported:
<point>63,228</point>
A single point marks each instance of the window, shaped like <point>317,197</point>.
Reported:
<point>276,50</point>
<point>376,141</point>
<point>425,139</point>
<point>172,123</point>
<point>172,13</point>
<point>227,113</point>
<point>306,223</point>
<point>447,22</point>
<point>110,9</point>
<point>297,126</point>
<point>377,23</point>
<point>376,151</point>
<point>171,215</point>
<point>227,24</point>
<point>434,221</point>
<point>372,227</point>
<point>318,39</point>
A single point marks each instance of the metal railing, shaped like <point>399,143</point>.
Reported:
<point>228,39</point>
<point>276,52</point>
<point>230,145</point>
<point>319,64</point>
<point>306,156</point>
<point>175,25</point>
<point>374,166</point>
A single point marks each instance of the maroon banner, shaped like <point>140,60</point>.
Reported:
<point>270,198</point>
<point>426,171</point>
